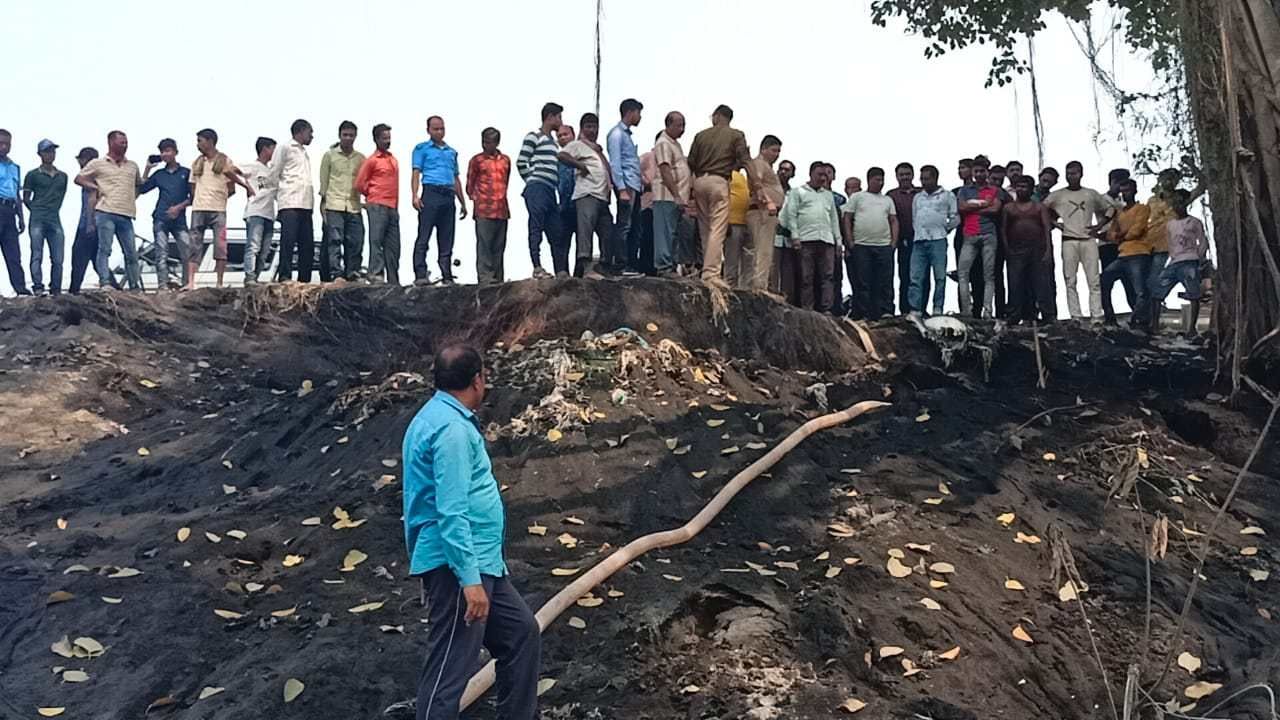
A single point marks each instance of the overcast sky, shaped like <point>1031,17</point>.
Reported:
<point>815,73</point>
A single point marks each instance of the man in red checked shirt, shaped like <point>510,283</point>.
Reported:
<point>488,175</point>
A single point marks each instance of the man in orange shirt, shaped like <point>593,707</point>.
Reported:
<point>1129,231</point>
<point>488,175</point>
<point>378,180</point>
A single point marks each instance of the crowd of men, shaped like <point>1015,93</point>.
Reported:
<point>716,213</point>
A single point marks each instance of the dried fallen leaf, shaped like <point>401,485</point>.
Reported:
<point>1005,519</point>
<point>1050,457</point>
<point>930,604</point>
<point>920,548</point>
<point>227,464</point>
<point>50,711</point>
<point>366,607</point>
<point>944,489</point>
<point>753,445</point>
<point>398,629</point>
<point>1201,689</point>
<point>58,596</point>
<point>719,407</point>
<point>78,676</point>
<point>352,559</point>
<point>1249,551</point>
<point>312,521</point>
<point>942,568</point>
<point>183,534</point>
<point>1011,584</point>
<point>212,537</point>
<point>536,529</point>
<point>112,600</point>
<point>933,501</point>
<point>909,668</point>
<point>729,450</point>
<point>839,530</point>
<point>208,692</point>
<point>787,565</point>
<point>554,435</point>
<point>715,423</point>
<point>291,560</point>
<point>285,612</point>
<point>698,474</point>
<point>228,614</point>
<point>1253,530</point>
<point>125,572</point>
<point>575,520</point>
<point>1026,539</point>
<point>896,568</point>
<point>852,705</point>
<point>673,578</point>
<point>888,651</point>
<point>689,689</point>
<point>293,687</point>
<point>937,584</point>
<point>91,647</point>
<point>61,523</point>
<point>922,417</point>
<point>577,623</point>
<point>590,601</point>
<point>143,452</point>
<point>1189,662</point>
<point>1259,575</point>
<point>1020,634</point>
<point>545,684</point>
<point>832,571</point>
<point>237,534</point>
<point>895,552</point>
<point>75,569</point>
<point>564,572</point>
<point>62,648</point>
<point>1067,592</point>
<point>951,654</point>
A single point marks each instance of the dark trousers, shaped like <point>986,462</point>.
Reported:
<point>817,275</point>
<point>644,232</point>
<point>453,648</point>
<point>1001,291</point>
<point>9,246</point>
<point>1031,288</point>
<point>904,276</point>
<point>1108,253</point>
<point>297,230</point>
<point>623,252</point>
<point>544,218</point>
<point>344,245</point>
<point>875,280</point>
<point>1132,272</point>
<point>491,246</point>
<point>436,214</point>
<point>568,225</point>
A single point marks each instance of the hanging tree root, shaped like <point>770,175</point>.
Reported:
<point>564,599</point>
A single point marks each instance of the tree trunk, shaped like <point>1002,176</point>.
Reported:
<point>1232,52</point>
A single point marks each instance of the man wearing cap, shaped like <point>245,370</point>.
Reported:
<point>42,192</point>
<point>84,248</point>
<point>11,223</point>
<point>715,155</point>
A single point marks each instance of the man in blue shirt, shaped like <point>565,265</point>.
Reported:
<point>11,222</point>
<point>435,184</point>
<point>454,524</point>
<point>169,220</point>
<point>623,254</point>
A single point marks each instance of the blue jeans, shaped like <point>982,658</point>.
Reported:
<point>121,228</point>
<point>1132,270</point>
<point>926,255</point>
<point>666,215</point>
<point>1158,261</point>
<point>544,218</point>
<point>163,231</point>
<point>257,246</point>
<point>50,231</point>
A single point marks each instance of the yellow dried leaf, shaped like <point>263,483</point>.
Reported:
<point>1144,461</point>
<point>944,489</point>
<point>672,443</point>
<point>1249,551</point>
<point>1067,592</point>
<point>237,534</point>
<point>787,565</point>
<point>951,654</point>
<point>832,571</point>
<point>852,561</point>
<point>715,423</point>
<point>183,534</point>
<point>942,568</point>
<point>62,648</point>
<point>937,584</point>
<point>1005,519</point>
<point>112,600</point>
<point>564,572</point>
<point>293,687</point>
<point>1259,575</point>
<point>930,604</point>
<point>651,327</point>
<point>933,501</point>
<point>58,596</point>
<point>366,607</point>
<point>729,450</point>
<point>1253,530</point>
<point>1201,689</point>
<point>92,647</point>
<point>575,520</point>
<point>545,684</point>
<point>922,417</point>
<point>554,435</point>
<point>208,692</point>
<point>673,578</point>
<point>61,523</point>
<point>312,521</point>
<point>839,530</point>
<point>825,554</point>
<point>682,450</point>
<point>896,568</point>
<point>719,407</point>
<point>888,651</point>
<point>1050,457</point>
<point>291,560</point>
<point>228,614</point>
<point>213,538</point>
<point>1026,539</point>
<point>895,552</point>
<point>753,445</point>
<point>285,612</point>
<point>352,559</point>
<point>149,384</point>
<point>125,572</point>
<point>143,452</point>
<point>1020,634</point>
<point>1011,584</point>
<point>852,705</point>
<point>590,601</point>
<point>75,676</point>
<point>50,711</point>
<point>920,548</point>
<point>536,529</point>
<point>1189,662</point>
<point>909,668</point>
<point>698,474</point>
<point>577,623</point>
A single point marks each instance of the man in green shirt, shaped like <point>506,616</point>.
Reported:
<point>810,221</point>
<point>42,193</point>
<point>343,245</point>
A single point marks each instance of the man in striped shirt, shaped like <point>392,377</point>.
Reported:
<point>538,165</point>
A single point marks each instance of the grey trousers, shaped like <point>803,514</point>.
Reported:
<point>491,246</point>
<point>739,257</point>
<point>384,244</point>
<point>344,238</point>
<point>593,217</point>
<point>975,245</point>
<point>257,246</point>
<point>510,634</point>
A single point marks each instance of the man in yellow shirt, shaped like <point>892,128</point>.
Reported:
<point>1128,231</point>
<point>739,253</point>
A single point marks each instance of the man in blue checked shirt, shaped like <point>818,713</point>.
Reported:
<point>454,522</point>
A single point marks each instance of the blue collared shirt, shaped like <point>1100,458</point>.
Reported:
<point>10,179</point>
<point>174,186</point>
<point>624,161</point>
<point>452,507</point>
<point>438,164</point>
<point>934,215</point>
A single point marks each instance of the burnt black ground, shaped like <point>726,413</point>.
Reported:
<point>227,368</point>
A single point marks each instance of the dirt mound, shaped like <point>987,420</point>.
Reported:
<point>210,484</point>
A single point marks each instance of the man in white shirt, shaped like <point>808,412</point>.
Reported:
<point>295,197</point>
<point>591,192</point>
<point>1079,212</point>
<point>259,212</point>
